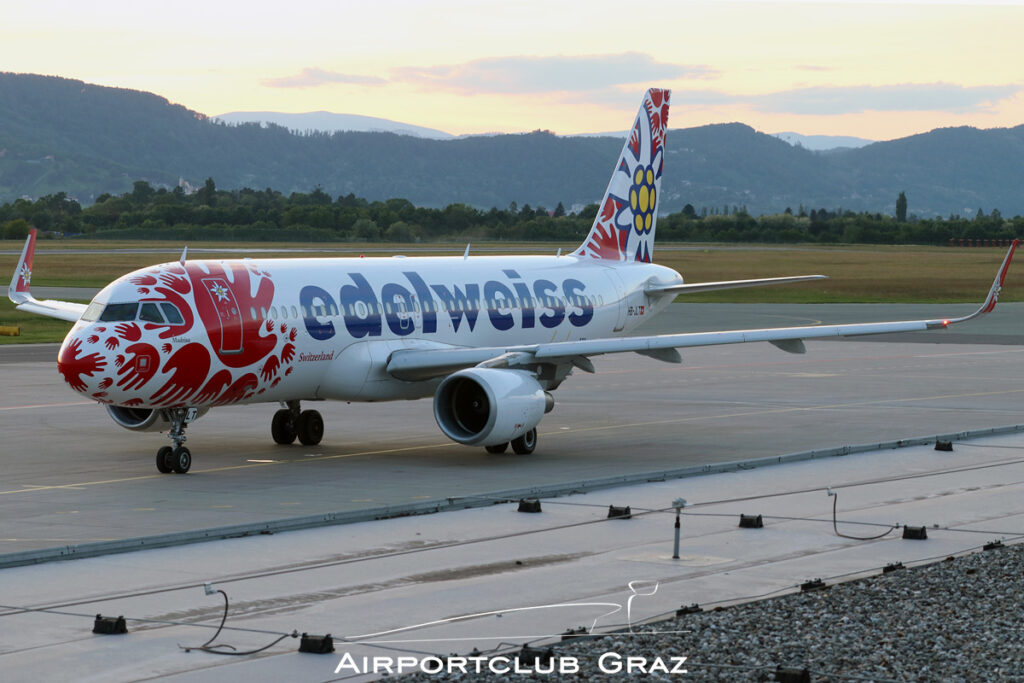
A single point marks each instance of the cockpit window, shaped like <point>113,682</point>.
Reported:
<point>119,312</point>
<point>92,313</point>
<point>172,314</point>
<point>149,313</point>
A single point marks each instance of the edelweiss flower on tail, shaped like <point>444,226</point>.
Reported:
<point>628,212</point>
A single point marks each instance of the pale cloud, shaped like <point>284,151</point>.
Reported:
<point>555,74</point>
<point>836,101</point>
<point>313,77</point>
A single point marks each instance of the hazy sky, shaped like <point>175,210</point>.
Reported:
<point>872,69</point>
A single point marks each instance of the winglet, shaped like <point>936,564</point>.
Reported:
<point>993,293</point>
<point>997,284</point>
<point>20,281</point>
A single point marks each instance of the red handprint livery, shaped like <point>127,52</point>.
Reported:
<point>78,367</point>
<point>206,334</point>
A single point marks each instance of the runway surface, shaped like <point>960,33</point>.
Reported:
<point>72,476</point>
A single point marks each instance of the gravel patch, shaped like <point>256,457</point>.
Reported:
<point>955,620</point>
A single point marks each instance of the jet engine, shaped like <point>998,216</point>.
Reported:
<point>143,419</point>
<point>489,406</point>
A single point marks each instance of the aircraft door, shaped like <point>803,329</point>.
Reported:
<point>619,288</point>
<point>405,315</point>
<point>229,317</point>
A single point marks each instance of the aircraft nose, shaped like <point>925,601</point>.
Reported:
<point>83,363</point>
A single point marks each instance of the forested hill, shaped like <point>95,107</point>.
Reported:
<point>61,135</point>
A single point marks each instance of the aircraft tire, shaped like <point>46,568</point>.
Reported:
<point>282,427</point>
<point>164,460</point>
<point>182,458</point>
<point>497,448</point>
<point>310,427</point>
<point>525,444</point>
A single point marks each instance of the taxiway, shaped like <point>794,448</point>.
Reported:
<point>72,476</point>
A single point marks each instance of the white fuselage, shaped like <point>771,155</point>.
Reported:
<point>323,328</point>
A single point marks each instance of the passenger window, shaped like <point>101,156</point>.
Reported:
<point>172,314</point>
<point>295,314</point>
<point>273,311</point>
<point>119,312</point>
<point>150,313</point>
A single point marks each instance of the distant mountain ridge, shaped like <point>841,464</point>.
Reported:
<point>59,134</point>
<point>331,122</point>
<point>820,143</point>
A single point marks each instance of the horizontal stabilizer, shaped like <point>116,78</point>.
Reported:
<point>655,289</point>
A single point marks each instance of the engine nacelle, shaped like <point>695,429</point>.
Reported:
<point>143,419</point>
<point>489,406</point>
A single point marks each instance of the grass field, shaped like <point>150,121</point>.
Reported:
<point>857,274</point>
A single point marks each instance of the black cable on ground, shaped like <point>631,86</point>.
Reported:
<point>835,527</point>
<point>216,649</point>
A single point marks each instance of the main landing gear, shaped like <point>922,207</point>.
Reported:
<point>176,458</point>
<point>292,422</point>
<point>524,445</point>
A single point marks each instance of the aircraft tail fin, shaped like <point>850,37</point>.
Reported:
<point>628,213</point>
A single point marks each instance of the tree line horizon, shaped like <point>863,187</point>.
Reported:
<point>210,214</point>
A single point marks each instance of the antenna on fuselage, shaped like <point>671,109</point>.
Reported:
<point>466,255</point>
<point>559,254</point>
<point>184,255</point>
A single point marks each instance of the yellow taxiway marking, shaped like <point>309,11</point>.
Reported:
<point>57,540</point>
<point>48,405</point>
<point>227,468</point>
<point>143,509</point>
<point>776,411</point>
<point>221,507</point>
<point>571,430</point>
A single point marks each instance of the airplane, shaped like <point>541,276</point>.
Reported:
<point>489,338</point>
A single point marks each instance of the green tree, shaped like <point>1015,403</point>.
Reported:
<point>901,208</point>
<point>16,229</point>
<point>366,230</point>
<point>207,194</point>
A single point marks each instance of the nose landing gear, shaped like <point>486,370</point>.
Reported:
<point>177,458</point>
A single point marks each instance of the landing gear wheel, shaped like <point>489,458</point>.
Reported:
<point>165,460</point>
<point>310,427</point>
<point>282,428</point>
<point>496,448</point>
<point>182,458</point>
<point>525,444</point>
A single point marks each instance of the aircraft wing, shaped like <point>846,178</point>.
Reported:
<point>62,310</point>
<point>422,364</point>
<point>21,296</point>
